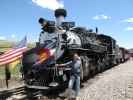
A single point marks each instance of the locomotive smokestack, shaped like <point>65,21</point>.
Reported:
<point>96,30</point>
<point>60,15</point>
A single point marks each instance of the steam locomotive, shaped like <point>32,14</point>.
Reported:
<point>98,52</point>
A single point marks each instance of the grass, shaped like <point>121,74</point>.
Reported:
<point>2,72</point>
<point>15,72</point>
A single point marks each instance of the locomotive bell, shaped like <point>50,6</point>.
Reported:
<point>60,15</point>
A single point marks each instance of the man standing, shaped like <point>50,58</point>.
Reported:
<point>74,81</point>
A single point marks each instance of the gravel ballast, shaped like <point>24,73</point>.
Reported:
<point>113,84</point>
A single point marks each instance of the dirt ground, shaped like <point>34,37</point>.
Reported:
<point>113,84</point>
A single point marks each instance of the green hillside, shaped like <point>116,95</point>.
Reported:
<point>6,45</point>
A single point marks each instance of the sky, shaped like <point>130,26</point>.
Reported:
<point>112,17</point>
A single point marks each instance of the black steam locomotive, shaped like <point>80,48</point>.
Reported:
<point>98,52</point>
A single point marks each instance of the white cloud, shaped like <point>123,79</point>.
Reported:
<point>129,29</point>
<point>129,20</point>
<point>49,4</point>
<point>2,38</point>
<point>101,17</point>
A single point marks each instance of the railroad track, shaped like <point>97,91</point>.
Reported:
<point>22,93</point>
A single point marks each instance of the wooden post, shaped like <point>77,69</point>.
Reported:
<point>7,74</point>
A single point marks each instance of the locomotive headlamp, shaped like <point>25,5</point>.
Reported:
<point>42,21</point>
<point>49,27</point>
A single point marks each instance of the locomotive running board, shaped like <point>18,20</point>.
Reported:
<point>37,87</point>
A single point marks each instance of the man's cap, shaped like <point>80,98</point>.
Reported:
<point>60,12</point>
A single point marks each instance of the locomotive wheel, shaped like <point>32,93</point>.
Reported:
<point>85,66</point>
<point>99,66</point>
<point>102,64</point>
<point>81,72</point>
<point>93,69</point>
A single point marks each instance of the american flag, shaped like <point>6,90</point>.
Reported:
<point>15,53</point>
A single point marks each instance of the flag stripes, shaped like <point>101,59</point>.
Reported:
<point>11,60</point>
<point>14,53</point>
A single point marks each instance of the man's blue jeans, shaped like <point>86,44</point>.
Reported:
<point>75,80</point>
